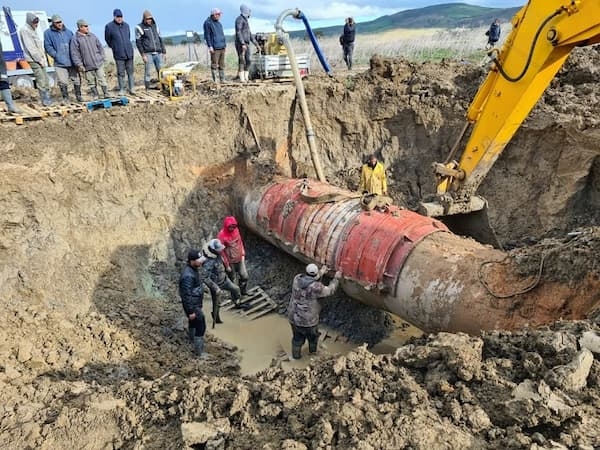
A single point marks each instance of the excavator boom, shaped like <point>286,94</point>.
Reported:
<point>544,32</point>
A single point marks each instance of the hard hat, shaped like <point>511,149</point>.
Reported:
<point>312,270</point>
<point>216,245</point>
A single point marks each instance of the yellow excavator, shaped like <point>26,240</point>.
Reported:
<point>544,32</point>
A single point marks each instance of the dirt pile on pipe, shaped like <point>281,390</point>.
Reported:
<point>97,210</point>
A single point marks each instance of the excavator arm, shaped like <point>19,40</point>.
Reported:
<point>543,35</point>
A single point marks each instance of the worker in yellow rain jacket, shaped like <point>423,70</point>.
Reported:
<point>372,177</point>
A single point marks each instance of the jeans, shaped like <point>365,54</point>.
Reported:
<point>156,59</point>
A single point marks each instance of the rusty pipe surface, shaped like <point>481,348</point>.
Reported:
<point>400,261</point>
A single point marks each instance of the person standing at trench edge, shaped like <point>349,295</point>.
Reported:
<point>304,307</point>
<point>347,41</point>
<point>117,35</point>
<point>243,38</point>
<point>150,45</point>
<point>216,42</point>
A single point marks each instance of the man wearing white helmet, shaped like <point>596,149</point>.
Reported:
<point>304,308</point>
<point>215,270</point>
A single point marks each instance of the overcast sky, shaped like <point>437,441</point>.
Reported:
<point>178,16</point>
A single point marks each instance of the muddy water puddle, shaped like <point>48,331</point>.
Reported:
<point>268,338</point>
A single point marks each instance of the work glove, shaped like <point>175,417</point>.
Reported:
<point>338,275</point>
<point>80,69</point>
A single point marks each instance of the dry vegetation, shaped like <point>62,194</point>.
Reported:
<point>419,45</point>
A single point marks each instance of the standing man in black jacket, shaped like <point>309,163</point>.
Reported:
<point>347,41</point>
<point>150,45</point>
<point>191,291</point>
<point>118,37</point>
<point>243,38</point>
<point>493,34</point>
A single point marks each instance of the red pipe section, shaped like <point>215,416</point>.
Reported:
<point>397,260</point>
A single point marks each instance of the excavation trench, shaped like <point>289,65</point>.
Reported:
<point>97,212</point>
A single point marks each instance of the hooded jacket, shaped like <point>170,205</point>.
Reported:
<point>304,307</point>
<point>214,35</point>
<point>118,38</point>
<point>56,44</point>
<point>147,37</point>
<point>32,44</point>
<point>87,51</point>
<point>232,240</point>
<point>243,36</point>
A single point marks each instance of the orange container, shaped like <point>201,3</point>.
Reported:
<point>11,65</point>
<point>23,64</point>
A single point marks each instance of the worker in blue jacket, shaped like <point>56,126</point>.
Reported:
<point>215,40</point>
<point>56,44</point>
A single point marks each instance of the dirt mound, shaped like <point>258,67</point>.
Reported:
<point>97,211</point>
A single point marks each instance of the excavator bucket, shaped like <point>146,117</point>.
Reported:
<point>466,219</point>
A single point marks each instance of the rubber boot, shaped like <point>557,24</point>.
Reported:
<point>199,345</point>
<point>215,75</point>
<point>312,347</point>
<point>105,91</point>
<point>64,92</point>
<point>94,90</point>
<point>296,351</point>
<point>243,287</point>
<point>121,81</point>
<point>77,89</point>
<point>45,97</point>
<point>241,76</point>
<point>131,85</point>
<point>146,85</point>
<point>218,317</point>
<point>246,76</point>
<point>10,104</point>
<point>191,334</point>
<point>221,75</point>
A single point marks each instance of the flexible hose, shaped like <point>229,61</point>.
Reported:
<point>300,93</point>
<point>315,44</point>
<point>531,49</point>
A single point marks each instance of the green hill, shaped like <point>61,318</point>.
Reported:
<point>447,15</point>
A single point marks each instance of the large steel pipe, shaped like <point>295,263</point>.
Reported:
<point>402,262</point>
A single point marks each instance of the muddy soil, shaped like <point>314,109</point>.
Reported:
<point>97,212</point>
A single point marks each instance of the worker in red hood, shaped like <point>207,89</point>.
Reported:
<point>234,255</point>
